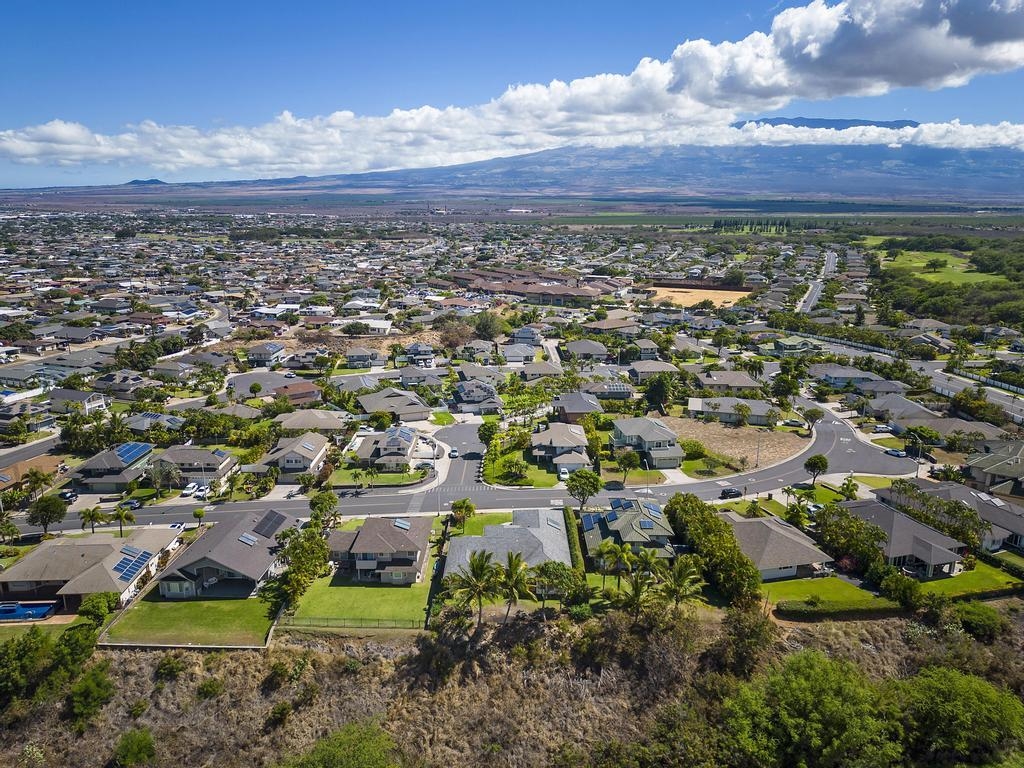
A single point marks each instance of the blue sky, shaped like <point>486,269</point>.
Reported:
<point>222,68</point>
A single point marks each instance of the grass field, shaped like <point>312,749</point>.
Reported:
<point>830,589</point>
<point>1011,557</point>
<point>340,597</point>
<point>476,524</point>
<point>535,476</point>
<point>201,622</point>
<point>983,578</point>
<point>8,631</point>
<point>637,478</point>
<point>442,418</point>
<point>873,481</point>
<point>344,476</point>
<point>698,468</point>
<point>957,270</point>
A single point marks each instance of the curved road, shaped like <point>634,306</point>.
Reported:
<point>832,437</point>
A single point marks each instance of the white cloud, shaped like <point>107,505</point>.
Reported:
<point>816,51</point>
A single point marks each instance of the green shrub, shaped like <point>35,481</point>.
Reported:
<point>89,694</point>
<point>170,667</point>
<point>98,606</point>
<point>693,449</point>
<point>138,708</point>
<point>210,688</point>
<point>581,612</point>
<point>307,695</point>
<point>802,609</point>
<point>573,534</point>
<point>135,747</point>
<point>279,714</point>
<point>277,676</point>
<point>903,589</point>
<point>356,745</point>
<point>980,621</point>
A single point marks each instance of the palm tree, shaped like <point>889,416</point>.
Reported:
<point>92,516</point>
<point>123,515</point>
<point>163,474</point>
<point>36,480</point>
<point>371,474</point>
<point>513,582</point>
<point>648,562</point>
<point>357,477</point>
<point>622,558</point>
<point>638,594</point>
<point>117,429</point>
<point>682,582</point>
<point>462,510</point>
<point>475,582</point>
<point>605,559</point>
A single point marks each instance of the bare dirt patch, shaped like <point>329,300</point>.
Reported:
<point>687,297</point>
<point>738,442</point>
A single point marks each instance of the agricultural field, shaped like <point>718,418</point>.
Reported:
<point>687,297</point>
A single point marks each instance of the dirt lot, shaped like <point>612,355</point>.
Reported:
<point>687,297</point>
<point>737,442</point>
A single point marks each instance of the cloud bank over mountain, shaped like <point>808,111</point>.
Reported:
<point>818,51</point>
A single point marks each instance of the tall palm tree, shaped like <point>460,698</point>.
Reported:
<point>648,562</point>
<point>92,516</point>
<point>123,515</point>
<point>622,559</point>
<point>605,559</point>
<point>475,582</point>
<point>638,594</point>
<point>357,477</point>
<point>371,474</point>
<point>35,481</point>
<point>162,475</point>
<point>9,532</point>
<point>513,582</point>
<point>117,429</point>
<point>682,582</point>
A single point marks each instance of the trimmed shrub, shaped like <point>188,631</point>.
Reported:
<point>802,609</point>
<point>98,606</point>
<point>572,532</point>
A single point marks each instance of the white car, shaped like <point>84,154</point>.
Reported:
<point>189,489</point>
<point>563,473</point>
<point>881,428</point>
<point>203,492</point>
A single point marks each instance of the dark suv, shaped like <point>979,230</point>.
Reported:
<point>730,493</point>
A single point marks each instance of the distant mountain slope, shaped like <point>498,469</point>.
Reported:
<point>821,122</point>
<point>865,172</point>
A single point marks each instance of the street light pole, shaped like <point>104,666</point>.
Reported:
<point>647,477</point>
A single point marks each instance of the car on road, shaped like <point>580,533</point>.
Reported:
<point>189,489</point>
<point>177,526</point>
<point>563,473</point>
<point>424,465</point>
<point>792,423</point>
<point>290,375</point>
<point>453,453</point>
<point>730,493</point>
<point>881,429</point>
<point>131,504</point>
<point>68,495</point>
<point>896,452</point>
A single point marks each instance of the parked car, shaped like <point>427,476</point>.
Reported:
<point>792,423</point>
<point>563,473</point>
<point>880,429</point>
<point>290,375</point>
<point>822,572</point>
<point>189,489</point>
<point>453,453</point>
<point>68,495</point>
<point>202,492</point>
<point>424,465</point>
<point>897,453</point>
<point>131,504</point>
<point>815,509</point>
<point>730,493</point>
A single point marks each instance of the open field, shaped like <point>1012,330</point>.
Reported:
<point>687,297</point>
<point>202,622</point>
<point>341,597</point>
<point>831,589</point>
<point>957,270</point>
<point>738,442</point>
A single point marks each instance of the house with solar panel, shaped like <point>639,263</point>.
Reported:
<point>640,524</point>
<point>650,437</point>
<point>112,470</point>
<point>388,451</point>
<point>537,534</point>
<point>141,423</point>
<point>232,559</point>
<point>389,550</point>
<point>67,569</point>
<point>200,465</point>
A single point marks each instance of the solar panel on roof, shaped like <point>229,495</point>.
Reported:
<point>612,516</point>
<point>220,453</point>
<point>131,452</point>
<point>123,563</point>
<point>5,478</point>
<point>588,523</point>
<point>128,549</point>
<point>308,446</point>
<point>268,526</point>
<point>403,525</point>
<point>248,539</point>
<point>618,503</point>
<point>647,525</point>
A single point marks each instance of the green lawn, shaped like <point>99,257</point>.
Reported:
<point>983,578</point>
<point>873,481</point>
<point>890,442</point>
<point>699,468</point>
<point>442,418</point>
<point>23,549</point>
<point>8,632</point>
<point>770,507</point>
<point>491,418</point>
<point>638,477</point>
<point>535,476</point>
<point>957,270</point>
<point>119,406</point>
<point>829,589</point>
<point>115,532</point>
<point>476,524</point>
<point>202,622</point>
<point>344,476</point>
<point>1011,557</point>
<point>340,597</point>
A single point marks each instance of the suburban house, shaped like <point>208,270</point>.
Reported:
<point>143,422</point>
<point>646,349</point>
<point>111,471</point>
<point>892,408</point>
<point>517,353</point>
<point>642,370</point>
<point>411,376</point>
<point>360,357</point>
<point>561,445</point>
<point>68,569</point>
<point>388,451</point>
<point>314,420</point>
<point>791,346</point>
<point>232,559</point>
<point>420,355</point>
<point>539,369</point>
<point>199,465</point>
<point>299,393</point>
<point>390,550</point>
<point>640,524</point>
<point>840,376</point>
<point>71,400</point>
<point>724,409</point>
<point>538,534</point>
<point>728,382</point>
<point>476,396</point>
<point>527,335</point>
<point>479,350</point>
<point>777,549</point>
<point>585,349</point>
<point>609,389</point>
<point>123,383</point>
<point>34,416</point>
<point>651,438</point>
<point>268,354</point>
<point>296,455</point>
<point>1005,517</point>
<point>910,544</point>
<point>400,403</point>
<point>572,406</point>
<point>999,467</point>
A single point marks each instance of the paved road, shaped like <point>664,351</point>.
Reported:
<point>833,437</point>
<point>13,455</point>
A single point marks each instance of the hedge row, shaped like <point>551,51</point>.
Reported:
<point>989,594</point>
<point>572,531</point>
<point>1011,568</point>
<point>837,609</point>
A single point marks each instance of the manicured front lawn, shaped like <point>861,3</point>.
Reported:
<point>491,418</point>
<point>890,442</point>
<point>442,418</point>
<point>770,507</point>
<point>202,622</point>
<point>9,631</point>
<point>873,481</point>
<point>344,476</point>
<point>341,597</point>
<point>476,524</point>
<point>699,468</point>
<point>1007,556</point>
<point>638,477</point>
<point>983,578</point>
<point>829,589</point>
<point>535,476</point>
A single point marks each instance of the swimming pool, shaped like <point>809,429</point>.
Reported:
<point>25,611</point>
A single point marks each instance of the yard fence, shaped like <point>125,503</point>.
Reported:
<point>355,623</point>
